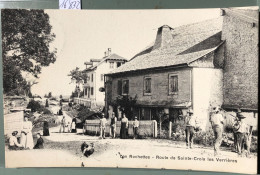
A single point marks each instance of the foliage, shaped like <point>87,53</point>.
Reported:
<point>46,111</point>
<point>53,98</point>
<point>125,104</point>
<point>78,76</point>
<point>34,106</point>
<point>49,95</point>
<point>77,93</point>
<point>30,95</point>
<point>26,38</point>
<point>13,82</point>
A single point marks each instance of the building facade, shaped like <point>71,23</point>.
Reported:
<point>240,32</point>
<point>173,74</point>
<point>94,94</point>
<point>198,66</point>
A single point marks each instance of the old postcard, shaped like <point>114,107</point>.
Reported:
<point>164,89</point>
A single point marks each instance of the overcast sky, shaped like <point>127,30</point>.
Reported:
<point>85,34</point>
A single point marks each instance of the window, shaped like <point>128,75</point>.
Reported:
<point>88,90</point>
<point>111,65</point>
<point>125,87</point>
<point>119,87</point>
<point>85,91</point>
<point>147,85</point>
<point>92,77</point>
<point>173,84</point>
<point>102,77</point>
<point>118,64</point>
<point>92,91</point>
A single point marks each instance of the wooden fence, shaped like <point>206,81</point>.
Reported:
<point>147,128</point>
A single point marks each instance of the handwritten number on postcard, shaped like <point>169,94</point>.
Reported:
<point>70,4</point>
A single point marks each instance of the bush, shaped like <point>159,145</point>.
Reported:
<point>35,106</point>
<point>53,98</point>
<point>204,138</point>
<point>46,111</point>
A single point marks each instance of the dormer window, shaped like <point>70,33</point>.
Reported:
<point>118,64</point>
<point>111,65</point>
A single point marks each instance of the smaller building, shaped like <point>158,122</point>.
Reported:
<point>94,94</point>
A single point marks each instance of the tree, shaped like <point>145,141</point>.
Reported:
<point>49,95</point>
<point>78,77</point>
<point>26,38</point>
<point>125,104</point>
<point>30,95</point>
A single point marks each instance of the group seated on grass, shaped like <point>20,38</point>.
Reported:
<point>15,145</point>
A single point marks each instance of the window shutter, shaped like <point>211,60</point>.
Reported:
<point>119,87</point>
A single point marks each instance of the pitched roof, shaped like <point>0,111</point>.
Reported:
<point>177,52</point>
<point>249,15</point>
<point>110,57</point>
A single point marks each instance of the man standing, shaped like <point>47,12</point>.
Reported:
<point>103,122</point>
<point>241,129</point>
<point>235,130</point>
<point>113,125</point>
<point>190,122</point>
<point>217,120</point>
<point>135,127</point>
<point>63,124</point>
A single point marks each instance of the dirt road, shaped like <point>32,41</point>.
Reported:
<point>63,150</point>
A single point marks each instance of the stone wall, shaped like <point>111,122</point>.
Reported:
<point>241,61</point>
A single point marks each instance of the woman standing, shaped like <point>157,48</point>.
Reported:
<point>26,134</point>
<point>46,128</point>
<point>73,125</point>
<point>124,127</point>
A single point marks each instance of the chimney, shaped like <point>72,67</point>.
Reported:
<point>88,64</point>
<point>108,51</point>
<point>105,54</point>
<point>163,37</point>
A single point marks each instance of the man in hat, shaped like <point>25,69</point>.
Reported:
<point>190,122</point>
<point>13,144</point>
<point>217,121</point>
<point>241,130</point>
<point>135,127</point>
<point>235,130</point>
<point>113,125</point>
<point>103,122</point>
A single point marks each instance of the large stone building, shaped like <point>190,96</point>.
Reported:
<point>240,33</point>
<point>192,66</point>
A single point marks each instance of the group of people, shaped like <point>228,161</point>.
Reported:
<point>26,138</point>
<point>240,129</point>
<point>70,127</point>
<point>124,127</point>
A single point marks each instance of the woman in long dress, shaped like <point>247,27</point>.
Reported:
<point>73,125</point>
<point>46,128</point>
<point>26,134</point>
<point>124,127</point>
